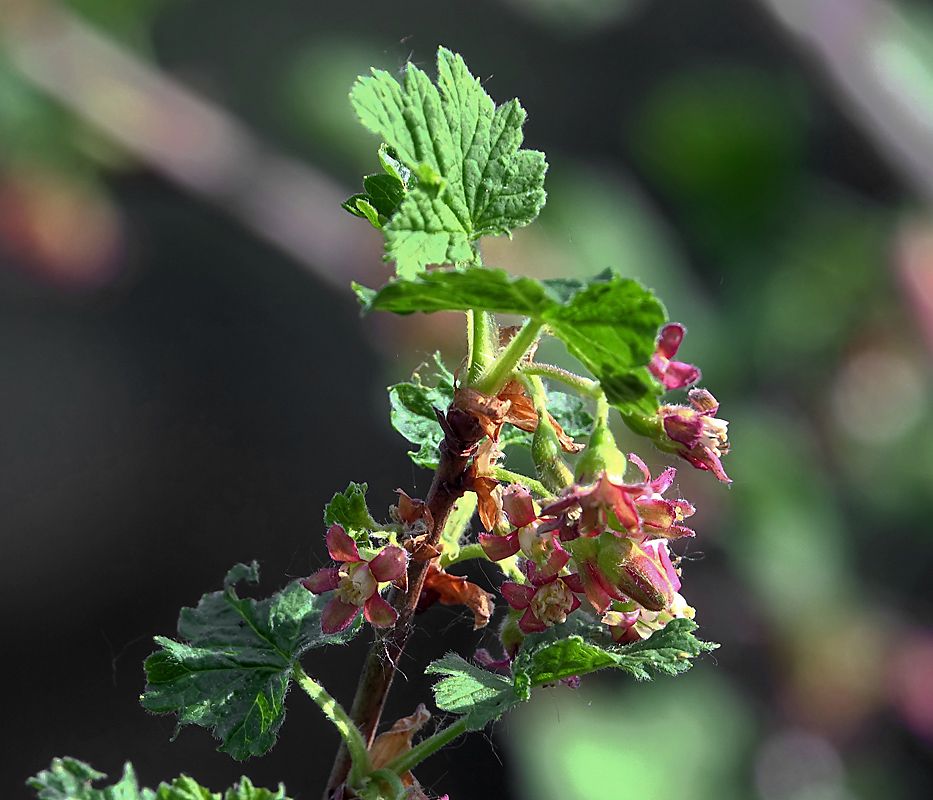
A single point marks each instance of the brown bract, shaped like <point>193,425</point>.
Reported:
<point>489,412</point>
<point>413,513</point>
<point>487,488</point>
<point>454,590</point>
<point>420,548</point>
<point>397,741</point>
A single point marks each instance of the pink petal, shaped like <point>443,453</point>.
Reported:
<point>593,590</point>
<point>323,580</point>
<point>561,505</point>
<point>389,564</point>
<point>337,615</point>
<point>663,482</point>
<point>555,563</point>
<point>684,430</point>
<point>517,595</point>
<point>574,582</point>
<point>641,465</point>
<point>529,623</point>
<point>677,375</point>
<point>340,546</point>
<point>518,506</point>
<point>702,458</point>
<point>379,613</point>
<point>625,512</point>
<point>669,339</point>
<point>498,547</point>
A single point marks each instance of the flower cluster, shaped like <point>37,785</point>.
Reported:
<point>606,541</point>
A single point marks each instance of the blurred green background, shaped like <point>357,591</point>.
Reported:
<point>184,381</point>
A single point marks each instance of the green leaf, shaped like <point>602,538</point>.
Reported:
<point>245,790</point>
<point>349,511</point>
<point>609,323</point>
<point>70,779</point>
<point>185,788</point>
<point>470,177</point>
<point>483,696</point>
<point>567,650</point>
<point>234,670</point>
<point>384,191</point>
<point>412,411</point>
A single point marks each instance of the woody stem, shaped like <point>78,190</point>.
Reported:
<point>462,436</point>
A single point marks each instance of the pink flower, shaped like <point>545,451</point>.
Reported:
<point>672,374</point>
<point>536,543</point>
<point>699,437</point>
<point>355,583</point>
<point>546,602</point>
<point>659,516</point>
<point>604,505</point>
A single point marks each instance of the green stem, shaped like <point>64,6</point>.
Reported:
<point>480,327</point>
<point>602,408</point>
<point>583,386</point>
<point>508,476</point>
<point>423,749</point>
<point>334,712</point>
<point>391,779</point>
<point>466,553</point>
<point>509,566</point>
<point>494,377</point>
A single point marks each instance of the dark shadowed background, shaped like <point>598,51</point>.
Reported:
<point>185,380</point>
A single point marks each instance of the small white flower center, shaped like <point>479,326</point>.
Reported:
<point>357,583</point>
<point>552,602</point>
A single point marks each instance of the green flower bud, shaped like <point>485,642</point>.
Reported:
<point>546,453</point>
<point>601,455</point>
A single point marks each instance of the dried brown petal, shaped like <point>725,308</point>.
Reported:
<point>397,740</point>
<point>489,412</point>
<point>420,549</point>
<point>454,590</point>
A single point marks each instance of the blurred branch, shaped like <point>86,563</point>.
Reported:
<point>190,141</point>
<point>873,55</point>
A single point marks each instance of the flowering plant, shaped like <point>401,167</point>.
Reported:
<point>583,544</point>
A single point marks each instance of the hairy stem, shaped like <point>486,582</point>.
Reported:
<point>583,386</point>
<point>497,373</point>
<point>502,474</point>
<point>482,334</point>
<point>352,739</point>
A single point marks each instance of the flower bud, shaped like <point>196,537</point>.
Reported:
<point>546,452</point>
<point>640,572</point>
<point>601,456</point>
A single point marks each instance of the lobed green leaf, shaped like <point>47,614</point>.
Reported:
<point>349,510</point>
<point>562,651</point>
<point>70,779</point>
<point>609,323</point>
<point>469,177</point>
<point>550,656</point>
<point>467,689</point>
<point>232,674</point>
